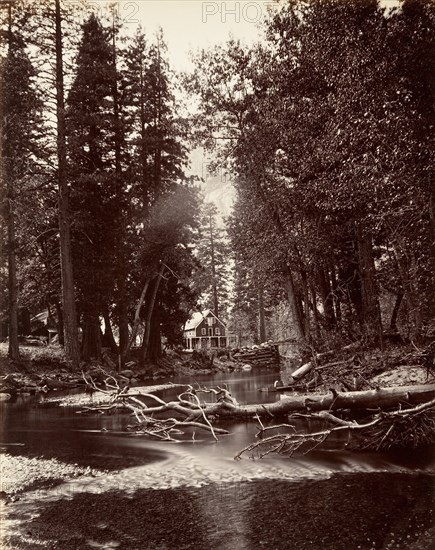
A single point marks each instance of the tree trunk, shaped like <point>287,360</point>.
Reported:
<point>155,343</point>
<point>91,345</point>
<point>122,271</point>
<point>149,312</point>
<point>261,314</point>
<point>432,246</point>
<point>144,148</point>
<point>213,271</point>
<point>60,330</point>
<point>381,398</point>
<point>306,308</point>
<point>6,172</point>
<point>116,116</point>
<point>326,297</point>
<point>68,299</point>
<point>335,296</point>
<point>294,309</point>
<point>369,399</point>
<point>122,327</point>
<point>24,324</point>
<point>408,287</point>
<point>395,312</point>
<point>136,318</point>
<point>108,337</point>
<point>13,347</point>
<point>315,312</point>
<point>371,310</point>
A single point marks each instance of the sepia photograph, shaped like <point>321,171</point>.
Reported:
<point>217,274</point>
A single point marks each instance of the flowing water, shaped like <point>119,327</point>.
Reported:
<point>201,470</point>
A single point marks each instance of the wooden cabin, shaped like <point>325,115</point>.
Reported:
<point>205,330</point>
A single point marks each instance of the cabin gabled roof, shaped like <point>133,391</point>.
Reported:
<point>198,317</point>
<point>41,317</point>
<point>195,320</point>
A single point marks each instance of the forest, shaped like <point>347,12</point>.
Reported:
<point>326,126</point>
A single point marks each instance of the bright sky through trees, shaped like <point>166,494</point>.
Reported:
<point>192,24</point>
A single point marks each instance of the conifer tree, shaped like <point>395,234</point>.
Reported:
<point>50,29</point>
<point>95,195</point>
<point>20,115</point>
<point>213,277</point>
<point>69,315</point>
<point>158,158</point>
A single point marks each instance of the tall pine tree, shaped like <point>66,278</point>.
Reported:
<point>95,193</point>
<point>212,280</point>
<point>20,115</point>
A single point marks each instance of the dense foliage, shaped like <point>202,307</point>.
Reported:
<point>327,125</point>
<point>131,209</point>
<point>329,128</point>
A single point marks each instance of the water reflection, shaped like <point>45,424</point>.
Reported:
<point>246,387</point>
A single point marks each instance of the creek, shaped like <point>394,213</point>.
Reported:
<point>192,494</point>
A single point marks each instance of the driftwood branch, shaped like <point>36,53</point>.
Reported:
<point>188,406</point>
<point>289,443</point>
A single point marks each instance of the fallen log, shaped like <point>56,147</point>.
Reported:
<point>379,398</point>
<point>307,367</point>
<point>302,371</point>
<point>414,409</point>
<point>369,399</point>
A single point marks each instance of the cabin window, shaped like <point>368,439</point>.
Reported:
<point>210,332</point>
<point>204,332</point>
<point>210,321</point>
<point>218,331</point>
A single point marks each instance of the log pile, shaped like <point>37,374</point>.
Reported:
<point>258,356</point>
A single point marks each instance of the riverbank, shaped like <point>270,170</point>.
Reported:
<point>377,511</point>
<point>44,370</point>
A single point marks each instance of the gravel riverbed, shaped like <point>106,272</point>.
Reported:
<point>346,512</point>
<point>21,473</point>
